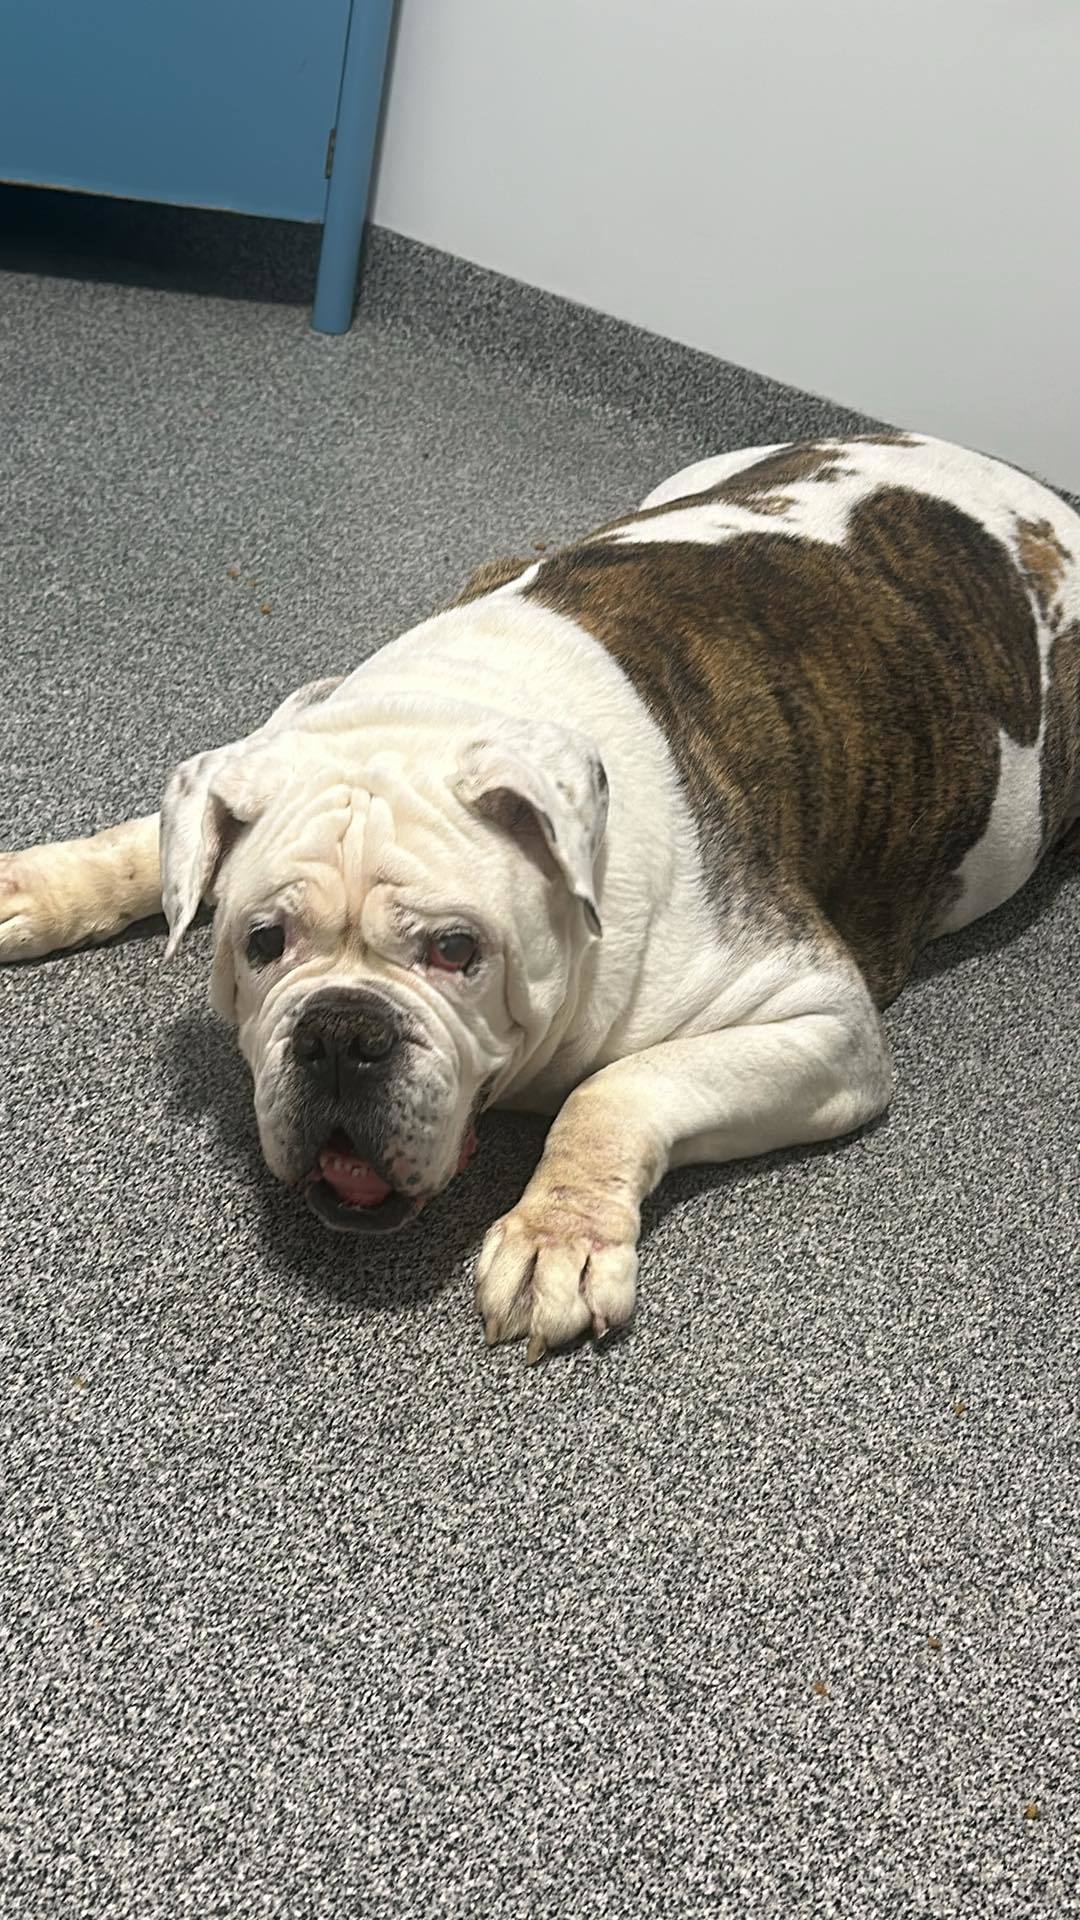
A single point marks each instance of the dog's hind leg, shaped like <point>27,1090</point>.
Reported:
<point>73,891</point>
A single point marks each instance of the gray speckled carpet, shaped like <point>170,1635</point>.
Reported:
<point>312,1606</point>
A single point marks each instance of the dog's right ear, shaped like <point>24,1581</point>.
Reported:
<point>209,800</point>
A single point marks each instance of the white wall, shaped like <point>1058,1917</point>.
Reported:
<point>877,201</point>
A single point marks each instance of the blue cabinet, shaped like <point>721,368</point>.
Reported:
<point>258,106</point>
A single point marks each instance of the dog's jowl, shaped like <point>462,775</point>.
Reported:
<point>641,834</point>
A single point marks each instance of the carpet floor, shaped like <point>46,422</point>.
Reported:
<point>311,1605</point>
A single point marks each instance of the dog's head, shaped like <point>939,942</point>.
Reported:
<point>403,903</point>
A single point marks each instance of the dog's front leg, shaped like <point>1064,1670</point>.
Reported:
<point>71,891</point>
<point>565,1259</point>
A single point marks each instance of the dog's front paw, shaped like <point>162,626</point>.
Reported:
<point>28,919</point>
<point>562,1263</point>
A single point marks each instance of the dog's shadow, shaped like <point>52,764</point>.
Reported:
<point>205,1076</point>
<point>996,931</point>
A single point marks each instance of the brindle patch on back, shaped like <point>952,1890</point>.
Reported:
<point>1044,562</point>
<point>787,467</point>
<point>834,710</point>
<point>1061,741</point>
<point>487,578</point>
<point>758,486</point>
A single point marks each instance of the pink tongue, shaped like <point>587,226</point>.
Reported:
<point>353,1180</point>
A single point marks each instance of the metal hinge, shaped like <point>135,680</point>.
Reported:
<point>330,145</point>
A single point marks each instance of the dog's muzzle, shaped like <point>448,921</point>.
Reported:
<point>345,1047</point>
<point>348,1050</point>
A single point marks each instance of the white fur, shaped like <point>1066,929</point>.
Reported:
<point>1006,856</point>
<point>707,473</point>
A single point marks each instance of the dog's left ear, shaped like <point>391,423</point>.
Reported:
<point>547,779</point>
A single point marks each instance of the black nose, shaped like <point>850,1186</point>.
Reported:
<point>338,1040</point>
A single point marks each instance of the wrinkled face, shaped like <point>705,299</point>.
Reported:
<point>389,960</point>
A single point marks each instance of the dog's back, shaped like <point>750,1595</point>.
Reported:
<point>866,658</point>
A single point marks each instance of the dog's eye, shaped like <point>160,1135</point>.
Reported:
<point>265,944</point>
<point>452,952</point>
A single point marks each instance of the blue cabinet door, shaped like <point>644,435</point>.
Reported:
<point>205,103</point>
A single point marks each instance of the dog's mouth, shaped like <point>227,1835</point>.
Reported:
<point>352,1194</point>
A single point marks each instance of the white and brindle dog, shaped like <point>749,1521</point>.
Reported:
<point>806,709</point>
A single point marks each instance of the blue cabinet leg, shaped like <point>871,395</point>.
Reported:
<point>350,177</point>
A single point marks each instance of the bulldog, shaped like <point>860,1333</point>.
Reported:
<point>642,834</point>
